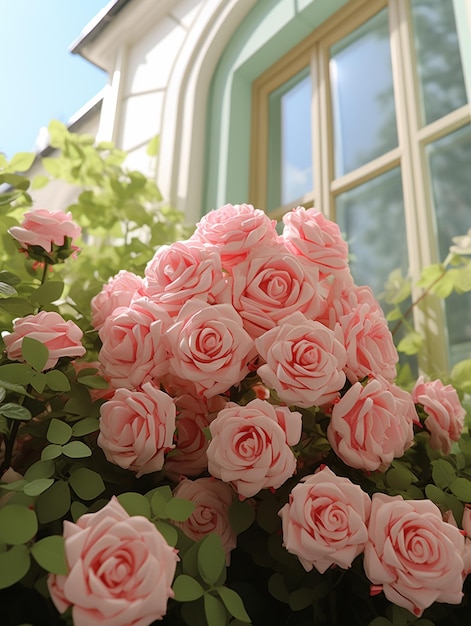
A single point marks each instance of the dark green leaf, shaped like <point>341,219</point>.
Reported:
<point>18,524</point>
<point>49,292</point>
<point>15,412</point>
<point>85,427</point>
<point>6,291</point>
<point>77,509</point>
<point>168,532</point>
<point>76,450</point>
<point>461,488</point>
<point>50,554</point>
<point>93,382</point>
<point>14,564</point>
<point>233,603</point>
<point>443,473</point>
<point>54,503</point>
<point>187,589</point>
<point>57,381</point>
<point>135,504</point>
<point>34,353</point>
<point>299,599</point>
<point>179,510</point>
<point>16,373</point>
<point>38,486</point>
<point>19,307</point>
<point>9,278</point>
<point>38,382</point>
<point>58,432</point>
<point>241,515</point>
<point>215,611</point>
<point>86,483</point>
<point>211,559</point>
<point>51,452</point>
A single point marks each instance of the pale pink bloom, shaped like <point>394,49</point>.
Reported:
<point>325,521</point>
<point>61,338</point>
<point>120,290</point>
<point>209,347</point>
<point>44,228</point>
<point>369,343</point>
<point>413,553</point>
<point>136,428</point>
<point>212,499</point>
<point>194,415</point>
<point>466,524</point>
<point>250,446</point>
<point>309,233</point>
<point>235,229</point>
<point>121,570</point>
<point>271,284</point>
<point>372,424</point>
<point>445,414</point>
<point>132,351</point>
<point>343,298</point>
<point>304,361</point>
<point>184,270</point>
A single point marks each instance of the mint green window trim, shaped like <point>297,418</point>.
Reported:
<point>266,34</point>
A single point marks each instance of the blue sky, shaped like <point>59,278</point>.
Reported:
<point>40,79</point>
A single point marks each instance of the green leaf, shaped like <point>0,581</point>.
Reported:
<point>16,373</point>
<point>86,483</point>
<point>460,376</point>
<point>6,291</point>
<point>54,503</point>
<point>38,382</point>
<point>34,353</point>
<point>38,486</point>
<point>51,452</point>
<point>93,382</point>
<point>9,278</point>
<point>77,509</point>
<point>461,488</point>
<point>15,412</point>
<point>19,307</point>
<point>14,564</point>
<point>211,559</point>
<point>58,432</point>
<point>300,599</point>
<point>411,343</point>
<point>85,427</point>
<point>76,450</point>
<point>49,292</point>
<point>214,610</point>
<point>241,515</point>
<point>57,381</point>
<point>22,161</point>
<point>39,181</point>
<point>233,603</point>
<point>277,587</point>
<point>179,509</point>
<point>135,503</point>
<point>187,588</point>
<point>53,166</point>
<point>380,621</point>
<point>153,146</point>
<point>18,524</point>
<point>443,474</point>
<point>168,532</point>
<point>50,554</point>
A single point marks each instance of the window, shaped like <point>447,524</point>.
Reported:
<point>368,119</point>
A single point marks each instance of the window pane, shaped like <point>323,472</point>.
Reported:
<point>438,58</point>
<point>371,217</point>
<point>290,145</point>
<point>449,160</point>
<point>362,95</point>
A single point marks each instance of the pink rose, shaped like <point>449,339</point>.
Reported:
<point>413,554</point>
<point>209,347</point>
<point>235,230</point>
<point>120,570</point>
<point>308,233</point>
<point>250,446</point>
<point>212,499</point>
<point>372,424</point>
<point>132,352</point>
<point>369,344</point>
<point>136,428</point>
<point>304,361</point>
<point>188,458</point>
<point>343,298</point>
<point>120,290</point>
<point>325,521</point>
<point>271,284</point>
<point>445,415</point>
<point>44,228</point>
<point>184,270</point>
<point>61,338</point>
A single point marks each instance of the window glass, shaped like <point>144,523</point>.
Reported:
<point>439,67</point>
<point>371,217</point>
<point>364,117</point>
<point>290,141</point>
<point>449,159</point>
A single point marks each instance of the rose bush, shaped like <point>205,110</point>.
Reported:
<point>223,436</point>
